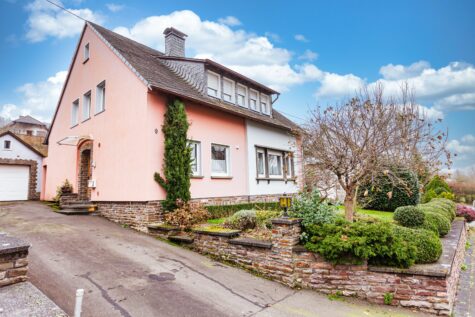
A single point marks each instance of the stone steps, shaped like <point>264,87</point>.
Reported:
<point>78,208</point>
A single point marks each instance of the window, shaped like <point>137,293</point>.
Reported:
<point>74,113</point>
<point>195,158</point>
<point>101,97</point>
<point>253,96</point>
<point>29,132</point>
<point>219,160</point>
<point>213,84</point>
<point>7,145</point>
<point>274,161</point>
<point>261,165</point>
<point>242,95</point>
<point>86,106</point>
<point>228,90</point>
<point>86,52</point>
<point>289,165</point>
<point>265,107</point>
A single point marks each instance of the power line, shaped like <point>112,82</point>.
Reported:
<point>66,10</point>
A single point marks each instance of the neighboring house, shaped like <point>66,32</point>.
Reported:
<point>26,125</point>
<point>106,133</point>
<point>20,168</point>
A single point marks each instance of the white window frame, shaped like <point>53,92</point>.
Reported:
<point>278,154</point>
<point>218,90</point>
<point>75,113</point>
<point>264,158</point>
<point>267,103</point>
<point>245,95</point>
<point>232,93</point>
<point>228,161</point>
<point>100,97</point>
<point>86,105</point>
<point>196,148</point>
<point>256,108</point>
<point>9,148</point>
<point>87,52</point>
<point>289,165</point>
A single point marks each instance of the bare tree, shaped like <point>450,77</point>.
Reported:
<point>3,121</point>
<point>363,137</point>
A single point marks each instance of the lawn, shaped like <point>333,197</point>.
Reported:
<point>383,215</point>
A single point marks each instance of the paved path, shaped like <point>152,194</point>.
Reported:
<point>126,273</point>
<point>465,300</point>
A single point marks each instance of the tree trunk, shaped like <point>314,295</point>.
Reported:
<point>350,205</point>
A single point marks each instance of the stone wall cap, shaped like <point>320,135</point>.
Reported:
<point>162,227</point>
<point>286,221</point>
<point>12,245</point>
<point>299,248</point>
<point>252,243</point>
<point>224,233</point>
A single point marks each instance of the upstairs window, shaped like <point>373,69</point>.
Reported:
<point>213,84</point>
<point>228,90</point>
<point>75,113</point>
<point>101,97</point>
<point>220,160</point>
<point>265,104</point>
<point>86,52</point>
<point>7,145</point>
<point>195,158</point>
<point>86,106</point>
<point>253,96</point>
<point>241,95</point>
<point>29,132</point>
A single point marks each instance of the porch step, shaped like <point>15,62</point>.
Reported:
<point>181,239</point>
<point>83,211</point>
<point>78,209</point>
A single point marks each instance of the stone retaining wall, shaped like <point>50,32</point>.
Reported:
<point>13,260</point>
<point>430,288</point>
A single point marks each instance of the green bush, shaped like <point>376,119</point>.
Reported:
<point>382,194</point>
<point>437,188</point>
<point>310,207</point>
<point>243,219</point>
<point>429,247</point>
<point>264,217</point>
<point>409,216</point>
<point>220,211</point>
<point>345,242</point>
<point>437,223</point>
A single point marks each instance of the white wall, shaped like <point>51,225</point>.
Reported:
<point>265,136</point>
<point>19,151</point>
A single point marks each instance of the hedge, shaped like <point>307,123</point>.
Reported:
<point>429,247</point>
<point>220,211</point>
<point>409,216</point>
<point>437,223</point>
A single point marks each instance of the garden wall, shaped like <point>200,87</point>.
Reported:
<point>13,260</point>
<point>429,288</point>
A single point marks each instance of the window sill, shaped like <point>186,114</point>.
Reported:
<point>74,125</point>
<point>87,119</point>
<point>197,176</point>
<point>221,177</point>
<point>268,179</point>
<point>98,113</point>
<point>85,61</point>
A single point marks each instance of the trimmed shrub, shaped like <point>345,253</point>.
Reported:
<point>243,219</point>
<point>264,217</point>
<point>409,216</point>
<point>220,211</point>
<point>437,223</point>
<point>437,188</point>
<point>382,194</point>
<point>345,242</point>
<point>467,212</point>
<point>313,211</point>
<point>429,247</point>
<point>441,206</point>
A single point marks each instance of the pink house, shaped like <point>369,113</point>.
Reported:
<point>106,136</point>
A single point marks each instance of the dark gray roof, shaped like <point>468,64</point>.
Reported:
<point>149,65</point>
<point>29,120</point>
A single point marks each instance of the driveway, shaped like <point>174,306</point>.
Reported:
<point>127,273</point>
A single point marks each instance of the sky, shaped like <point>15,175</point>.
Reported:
<point>314,52</point>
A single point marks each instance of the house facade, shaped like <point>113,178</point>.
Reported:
<point>106,134</point>
<point>27,125</point>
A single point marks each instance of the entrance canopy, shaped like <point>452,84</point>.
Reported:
<point>74,140</point>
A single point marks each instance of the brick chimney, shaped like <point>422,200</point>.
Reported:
<point>174,42</point>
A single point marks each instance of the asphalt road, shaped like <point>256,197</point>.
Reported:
<point>126,273</point>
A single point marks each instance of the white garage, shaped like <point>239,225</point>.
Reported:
<point>14,182</point>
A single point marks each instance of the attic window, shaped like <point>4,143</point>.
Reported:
<point>242,95</point>
<point>86,52</point>
<point>213,84</point>
<point>265,107</point>
<point>253,96</point>
<point>228,90</point>
<point>7,145</point>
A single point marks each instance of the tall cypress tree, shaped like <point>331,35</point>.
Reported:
<point>177,162</point>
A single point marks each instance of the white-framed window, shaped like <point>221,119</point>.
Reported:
<point>253,99</point>
<point>275,164</point>
<point>7,145</point>
<point>261,162</point>
<point>86,52</point>
<point>228,90</point>
<point>241,95</point>
<point>289,165</point>
<point>101,97</point>
<point>86,106</point>
<point>75,113</point>
<point>213,84</point>
<point>265,104</point>
<point>220,160</point>
<point>195,157</point>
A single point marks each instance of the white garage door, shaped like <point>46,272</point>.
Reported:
<point>14,182</point>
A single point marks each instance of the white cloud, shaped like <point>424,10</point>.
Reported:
<point>114,7</point>
<point>46,20</point>
<point>38,99</point>
<point>300,38</point>
<point>308,55</point>
<point>230,20</point>
<point>431,113</point>
<point>334,86</point>
<point>459,147</point>
<point>395,72</point>
<point>468,138</point>
<point>465,101</point>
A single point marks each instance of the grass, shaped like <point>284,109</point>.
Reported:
<point>216,221</point>
<point>382,215</point>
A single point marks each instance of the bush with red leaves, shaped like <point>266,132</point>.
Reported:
<point>467,212</point>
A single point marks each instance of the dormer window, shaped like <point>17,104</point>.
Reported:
<point>265,104</point>
<point>213,84</point>
<point>86,52</point>
<point>253,96</point>
<point>228,90</point>
<point>241,95</point>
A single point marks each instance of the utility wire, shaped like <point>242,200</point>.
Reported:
<point>66,10</point>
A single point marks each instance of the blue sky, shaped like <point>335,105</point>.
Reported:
<point>314,52</point>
